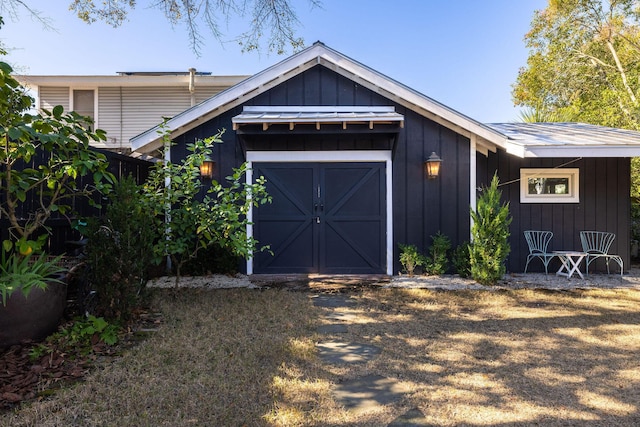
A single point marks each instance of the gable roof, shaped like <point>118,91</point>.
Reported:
<point>318,53</point>
<point>519,139</point>
<point>568,140</point>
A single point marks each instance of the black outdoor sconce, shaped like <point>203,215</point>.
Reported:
<point>206,168</point>
<point>432,165</point>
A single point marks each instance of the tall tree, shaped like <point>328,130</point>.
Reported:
<point>584,63</point>
<point>273,20</point>
<point>584,66</point>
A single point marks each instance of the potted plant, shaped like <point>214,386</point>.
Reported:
<point>33,296</point>
<point>45,163</point>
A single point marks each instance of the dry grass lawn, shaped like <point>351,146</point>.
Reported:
<point>247,358</point>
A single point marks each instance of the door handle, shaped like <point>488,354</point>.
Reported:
<point>317,220</point>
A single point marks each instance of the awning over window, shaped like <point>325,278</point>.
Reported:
<point>255,119</point>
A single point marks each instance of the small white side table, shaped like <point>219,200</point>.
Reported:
<point>570,263</point>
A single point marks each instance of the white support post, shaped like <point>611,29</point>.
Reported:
<point>167,185</point>
<point>249,176</point>
<point>473,184</point>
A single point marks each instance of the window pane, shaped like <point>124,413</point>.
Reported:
<point>548,185</point>
<point>83,103</point>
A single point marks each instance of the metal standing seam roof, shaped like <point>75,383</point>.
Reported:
<point>317,115</point>
<point>569,139</point>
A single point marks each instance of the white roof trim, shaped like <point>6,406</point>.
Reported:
<point>318,109</point>
<point>128,80</point>
<point>568,140</point>
<point>292,66</point>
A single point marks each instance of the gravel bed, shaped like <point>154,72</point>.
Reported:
<point>446,282</point>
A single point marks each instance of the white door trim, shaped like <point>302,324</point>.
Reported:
<point>329,157</point>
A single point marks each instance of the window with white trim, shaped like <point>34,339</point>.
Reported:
<point>84,103</point>
<point>549,185</point>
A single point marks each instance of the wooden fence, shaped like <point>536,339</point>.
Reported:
<point>60,229</point>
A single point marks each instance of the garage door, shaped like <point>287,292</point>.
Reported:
<point>327,218</point>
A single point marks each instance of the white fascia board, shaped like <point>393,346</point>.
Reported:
<point>581,151</point>
<point>128,81</point>
<point>318,109</point>
<point>515,149</point>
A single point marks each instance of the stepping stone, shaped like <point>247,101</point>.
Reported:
<point>343,317</point>
<point>333,301</point>
<point>368,392</point>
<point>346,353</point>
<point>332,329</point>
<point>413,418</point>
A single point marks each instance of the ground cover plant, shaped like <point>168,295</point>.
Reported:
<point>247,357</point>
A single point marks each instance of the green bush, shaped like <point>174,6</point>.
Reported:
<point>460,260</point>
<point>437,262</point>
<point>212,260</point>
<point>490,235</point>
<point>410,258</point>
<point>197,220</point>
<point>119,252</point>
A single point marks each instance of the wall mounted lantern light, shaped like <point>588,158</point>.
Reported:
<point>432,165</point>
<point>206,168</point>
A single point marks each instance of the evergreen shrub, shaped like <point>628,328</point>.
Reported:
<point>490,236</point>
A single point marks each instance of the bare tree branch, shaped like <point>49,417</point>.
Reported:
<point>12,8</point>
<point>272,20</point>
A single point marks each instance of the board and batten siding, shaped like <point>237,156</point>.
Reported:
<point>604,205</point>
<point>51,96</point>
<point>421,207</point>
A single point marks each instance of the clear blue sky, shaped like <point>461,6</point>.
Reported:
<point>462,53</point>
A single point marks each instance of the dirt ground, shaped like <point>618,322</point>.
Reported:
<point>536,350</point>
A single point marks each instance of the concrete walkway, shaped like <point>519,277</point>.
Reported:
<point>368,392</point>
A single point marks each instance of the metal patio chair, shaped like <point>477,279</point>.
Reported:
<point>596,245</point>
<point>538,242</point>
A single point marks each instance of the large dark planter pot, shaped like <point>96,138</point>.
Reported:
<point>32,318</point>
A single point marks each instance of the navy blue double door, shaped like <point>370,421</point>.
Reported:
<point>326,218</point>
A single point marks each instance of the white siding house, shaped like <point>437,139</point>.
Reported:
<point>127,104</point>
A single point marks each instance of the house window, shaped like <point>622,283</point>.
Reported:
<point>549,185</point>
<point>84,103</point>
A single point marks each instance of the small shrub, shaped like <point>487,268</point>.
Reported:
<point>460,260</point>
<point>410,258</point>
<point>437,263</point>
<point>119,252</point>
<point>490,231</point>
<point>78,337</point>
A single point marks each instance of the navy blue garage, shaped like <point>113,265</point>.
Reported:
<point>343,150</point>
